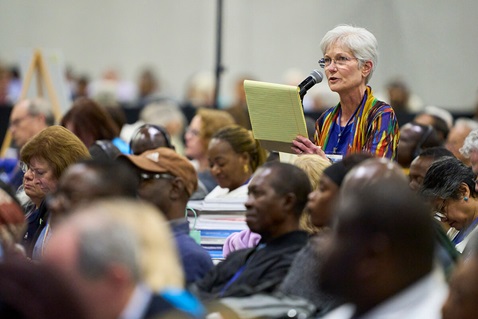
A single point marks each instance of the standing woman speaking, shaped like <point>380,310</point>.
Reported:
<point>360,122</point>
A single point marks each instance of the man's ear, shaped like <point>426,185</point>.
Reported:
<point>289,201</point>
<point>40,117</point>
<point>118,275</point>
<point>177,188</point>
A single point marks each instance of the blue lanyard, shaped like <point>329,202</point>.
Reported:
<point>240,270</point>
<point>344,129</point>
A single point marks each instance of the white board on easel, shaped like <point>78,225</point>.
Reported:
<point>49,72</point>
<point>54,63</point>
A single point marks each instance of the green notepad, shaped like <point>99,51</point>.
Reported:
<point>276,114</point>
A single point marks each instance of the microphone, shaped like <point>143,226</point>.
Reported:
<point>314,77</point>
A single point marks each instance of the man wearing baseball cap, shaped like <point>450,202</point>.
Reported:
<point>168,180</point>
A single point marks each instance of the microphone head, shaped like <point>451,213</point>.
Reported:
<point>317,76</point>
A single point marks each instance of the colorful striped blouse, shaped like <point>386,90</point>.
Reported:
<point>374,129</point>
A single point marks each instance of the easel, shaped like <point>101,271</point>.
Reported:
<point>38,66</point>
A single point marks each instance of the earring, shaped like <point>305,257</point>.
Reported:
<point>246,168</point>
<point>465,199</point>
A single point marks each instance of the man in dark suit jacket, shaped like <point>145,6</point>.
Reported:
<point>277,195</point>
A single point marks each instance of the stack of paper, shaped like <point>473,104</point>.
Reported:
<point>216,220</point>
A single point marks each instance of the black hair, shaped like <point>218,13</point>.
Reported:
<point>288,178</point>
<point>436,152</point>
<point>114,178</point>
<point>444,179</point>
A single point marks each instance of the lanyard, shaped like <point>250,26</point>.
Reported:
<point>240,270</point>
<point>342,129</point>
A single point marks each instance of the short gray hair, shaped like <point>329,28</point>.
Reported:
<point>467,122</point>
<point>130,233</point>
<point>109,242</point>
<point>360,41</point>
<point>39,106</point>
<point>470,143</point>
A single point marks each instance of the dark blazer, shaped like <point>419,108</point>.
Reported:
<point>263,269</point>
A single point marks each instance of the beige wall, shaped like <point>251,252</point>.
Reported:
<point>432,43</point>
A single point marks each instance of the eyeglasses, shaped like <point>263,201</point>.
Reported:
<point>36,172</point>
<point>16,122</point>
<point>440,212</point>
<point>193,131</point>
<point>150,176</point>
<point>340,61</point>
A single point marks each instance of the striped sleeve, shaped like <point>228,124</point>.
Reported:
<point>383,134</point>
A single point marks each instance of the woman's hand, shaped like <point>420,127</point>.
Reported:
<point>302,145</point>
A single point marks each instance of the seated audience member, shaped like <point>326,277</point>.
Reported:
<point>277,196</point>
<point>149,137</point>
<point>199,94</point>
<point>91,122</point>
<point>203,126</point>
<point>456,137</point>
<point>413,139</point>
<point>374,169</point>
<point>167,113</point>
<point>12,223</point>
<point>382,234</point>
<point>301,280</point>
<point>421,164</point>
<point>90,180</point>
<point>447,253</point>
<point>167,180</point>
<point>116,113</point>
<point>149,88</point>
<point>450,185</point>
<point>234,155</point>
<point>104,248</point>
<point>238,109</point>
<point>33,291</point>
<point>313,166</point>
<point>400,96</point>
<point>104,150</point>
<point>28,117</point>
<point>44,158</point>
<point>440,119</point>
<point>461,301</point>
<point>469,150</point>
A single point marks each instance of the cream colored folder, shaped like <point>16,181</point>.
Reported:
<point>276,114</point>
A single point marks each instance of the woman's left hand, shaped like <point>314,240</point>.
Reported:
<point>302,145</point>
